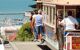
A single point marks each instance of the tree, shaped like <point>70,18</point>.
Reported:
<point>25,34</point>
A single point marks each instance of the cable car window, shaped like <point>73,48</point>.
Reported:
<point>51,15</point>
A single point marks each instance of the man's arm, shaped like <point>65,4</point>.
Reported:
<point>62,23</point>
<point>33,22</point>
<point>76,25</point>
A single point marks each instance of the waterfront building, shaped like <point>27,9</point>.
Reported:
<point>54,8</point>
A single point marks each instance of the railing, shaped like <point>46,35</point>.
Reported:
<point>72,40</point>
<point>51,38</point>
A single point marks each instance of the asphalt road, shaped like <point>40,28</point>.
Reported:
<point>25,46</point>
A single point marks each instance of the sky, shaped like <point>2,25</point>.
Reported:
<point>16,5</point>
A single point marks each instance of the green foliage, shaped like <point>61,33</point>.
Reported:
<point>25,34</point>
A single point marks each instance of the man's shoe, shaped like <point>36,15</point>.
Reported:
<point>35,40</point>
<point>42,43</point>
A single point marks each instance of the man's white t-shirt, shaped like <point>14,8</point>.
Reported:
<point>69,23</point>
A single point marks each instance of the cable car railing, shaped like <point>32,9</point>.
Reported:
<point>72,40</point>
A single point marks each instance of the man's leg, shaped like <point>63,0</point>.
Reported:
<point>36,33</point>
<point>42,33</point>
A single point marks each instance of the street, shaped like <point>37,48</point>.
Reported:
<point>25,46</point>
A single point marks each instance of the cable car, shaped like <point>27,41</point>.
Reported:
<point>52,9</point>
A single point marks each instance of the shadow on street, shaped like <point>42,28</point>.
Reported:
<point>44,47</point>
